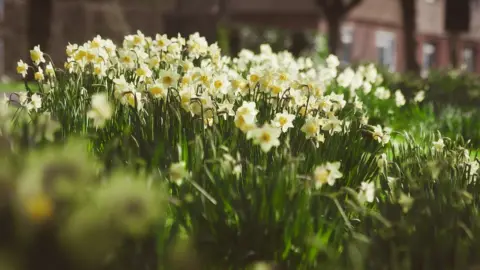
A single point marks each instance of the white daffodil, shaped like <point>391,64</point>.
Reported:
<point>419,96</point>
<point>178,172</point>
<point>312,126</point>
<point>332,124</point>
<point>367,192</point>
<point>382,93</point>
<point>284,121</point>
<point>332,61</point>
<point>326,173</point>
<point>158,89</point>
<point>169,78</point>
<point>266,136</point>
<point>101,110</point>
<point>22,68</point>
<point>36,102</point>
<point>37,55</point>
<point>245,116</point>
<point>399,98</point>
<point>381,135</point>
<point>39,75</point>
<point>438,145</point>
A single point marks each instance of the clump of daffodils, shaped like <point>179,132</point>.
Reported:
<point>192,74</point>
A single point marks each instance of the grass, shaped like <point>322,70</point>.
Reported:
<point>16,86</point>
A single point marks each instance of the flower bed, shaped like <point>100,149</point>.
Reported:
<point>190,159</point>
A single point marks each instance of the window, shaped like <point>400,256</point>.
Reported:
<point>386,49</point>
<point>345,53</point>
<point>428,57</point>
<point>469,59</point>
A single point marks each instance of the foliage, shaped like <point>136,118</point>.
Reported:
<point>194,160</point>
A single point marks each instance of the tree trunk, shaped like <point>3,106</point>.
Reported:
<point>39,23</point>
<point>333,33</point>
<point>299,43</point>
<point>409,34</point>
<point>453,42</point>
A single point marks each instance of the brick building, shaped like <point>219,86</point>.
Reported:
<point>371,32</point>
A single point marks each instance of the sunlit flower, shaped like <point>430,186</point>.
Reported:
<point>35,102</point>
<point>245,116</point>
<point>143,72</point>
<point>49,70</point>
<point>39,75</point>
<point>162,42</point>
<point>284,121</point>
<point>332,124</point>
<point>382,93</point>
<point>345,78</point>
<point>100,70</point>
<point>380,135</point>
<point>37,55</point>
<point>419,96</point>
<point>22,68</point>
<point>226,109</point>
<point>327,173</point>
<point>178,172</point>
<point>367,192</point>
<point>399,98</point>
<point>332,61</point>
<point>312,126</point>
<point>438,145</point>
<point>101,110</point>
<point>158,89</point>
<point>168,78</point>
<point>266,136</point>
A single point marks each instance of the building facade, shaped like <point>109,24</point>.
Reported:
<point>371,32</point>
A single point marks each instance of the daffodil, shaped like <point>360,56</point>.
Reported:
<point>419,96</point>
<point>158,89</point>
<point>438,145</point>
<point>312,126</point>
<point>326,173</point>
<point>178,172</point>
<point>22,68</point>
<point>39,75</point>
<point>399,98</point>
<point>332,124</point>
<point>143,72</point>
<point>284,121</point>
<point>168,78</point>
<point>35,102</point>
<point>37,55</point>
<point>101,110</point>
<point>266,136</point>
<point>380,135</point>
<point>245,116</point>
<point>49,70</point>
<point>367,192</point>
